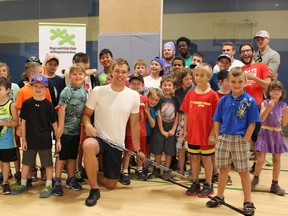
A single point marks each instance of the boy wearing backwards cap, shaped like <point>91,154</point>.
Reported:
<point>38,117</point>
<point>136,83</point>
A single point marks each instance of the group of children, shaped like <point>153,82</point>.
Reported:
<point>178,113</point>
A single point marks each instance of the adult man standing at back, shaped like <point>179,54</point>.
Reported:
<point>112,106</point>
<point>228,48</point>
<point>265,54</point>
<point>169,51</point>
<point>183,46</point>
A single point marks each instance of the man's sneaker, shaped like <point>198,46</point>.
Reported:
<point>140,175</point>
<point>124,179</point>
<point>78,177</point>
<point>229,181</point>
<point>254,182</point>
<point>206,191</point>
<point>155,173</point>
<point>275,188</point>
<point>215,178</point>
<point>17,189</point>
<point>73,184</point>
<point>248,208</point>
<point>166,175</point>
<point>194,189</point>
<point>94,195</point>
<point>17,176</point>
<point>214,202</point>
<point>58,191</point>
<point>46,192</point>
<point>6,188</point>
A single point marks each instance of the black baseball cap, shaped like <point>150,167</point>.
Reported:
<point>34,59</point>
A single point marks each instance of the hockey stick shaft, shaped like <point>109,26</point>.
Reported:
<point>229,206</point>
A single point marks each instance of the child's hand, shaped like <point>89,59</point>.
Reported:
<point>211,139</point>
<point>285,111</point>
<point>171,132</point>
<point>147,108</point>
<point>165,134</point>
<point>58,146</point>
<point>270,104</point>
<point>24,145</point>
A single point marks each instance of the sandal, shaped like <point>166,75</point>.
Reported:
<point>214,202</point>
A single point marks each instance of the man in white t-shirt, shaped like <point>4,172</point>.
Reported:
<point>228,48</point>
<point>113,105</point>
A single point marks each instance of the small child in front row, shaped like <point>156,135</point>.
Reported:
<point>199,106</point>
<point>274,116</point>
<point>71,106</point>
<point>184,82</point>
<point>8,120</point>
<point>38,117</point>
<point>163,138</point>
<point>234,123</point>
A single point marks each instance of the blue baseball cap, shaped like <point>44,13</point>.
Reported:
<point>40,79</point>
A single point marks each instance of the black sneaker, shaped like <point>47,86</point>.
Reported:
<point>252,169</point>
<point>194,189</point>
<point>215,178</point>
<point>124,179</point>
<point>17,176</point>
<point>94,195</point>
<point>140,175</point>
<point>248,208</point>
<point>229,181</point>
<point>6,188</point>
<point>78,177</point>
<point>206,191</point>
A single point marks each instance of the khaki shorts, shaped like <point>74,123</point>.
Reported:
<point>232,148</point>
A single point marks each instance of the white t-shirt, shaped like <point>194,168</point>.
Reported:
<point>112,111</point>
<point>235,63</point>
<point>149,82</point>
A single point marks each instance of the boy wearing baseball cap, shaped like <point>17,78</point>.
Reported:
<point>38,115</point>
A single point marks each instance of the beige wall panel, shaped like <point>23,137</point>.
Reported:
<point>26,31</point>
<point>129,16</point>
<point>238,25</point>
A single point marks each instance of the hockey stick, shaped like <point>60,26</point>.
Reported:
<point>230,206</point>
<point>120,148</point>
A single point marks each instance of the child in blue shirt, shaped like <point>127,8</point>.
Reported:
<point>234,123</point>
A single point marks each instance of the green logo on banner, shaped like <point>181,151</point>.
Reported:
<point>63,35</point>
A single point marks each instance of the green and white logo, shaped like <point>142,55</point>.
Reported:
<point>63,35</point>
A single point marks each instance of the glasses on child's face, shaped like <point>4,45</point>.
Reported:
<point>276,90</point>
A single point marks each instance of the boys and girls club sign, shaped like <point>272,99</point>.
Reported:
<point>62,40</point>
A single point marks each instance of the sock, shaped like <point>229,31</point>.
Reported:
<point>140,169</point>
<point>125,171</point>
<point>48,183</point>
<point>274,182</point>
<point>24,182</point>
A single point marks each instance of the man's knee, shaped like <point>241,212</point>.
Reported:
<point>90,145</point>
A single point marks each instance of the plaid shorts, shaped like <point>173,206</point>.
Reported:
<point>232,148</point>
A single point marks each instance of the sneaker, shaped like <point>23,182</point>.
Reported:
<point>229,181</point>
<point>155,173</point>
<point>275,188</point>
<point>43,173</point>
<point>166,175</point>
<point>46,192</point>
<point>248,208</point>
<point>214,202</point>
<point>78,177</point>
<point>206,191</point>
<point>73,184</point>
<point>124,179</point>
<point>94,195</point>
<point>194,189</point>
<point>141,175</point>
<point>6,188</point>
<point>215,178</point>
<point>17,176</point>
<point>17,189</point>
<point>58,191</point>
<point>269,162</point>
<point>254,182</point>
